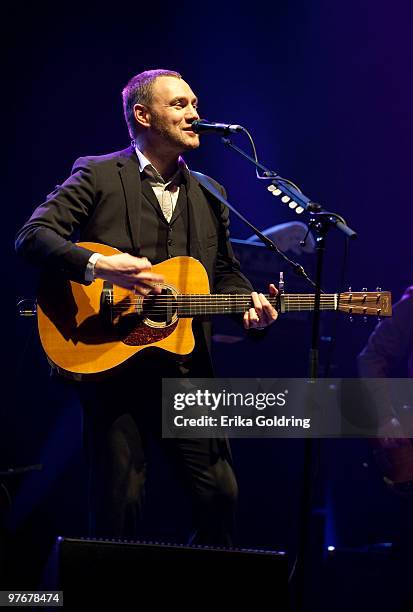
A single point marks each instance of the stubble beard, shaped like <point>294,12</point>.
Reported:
<point>173,140</point>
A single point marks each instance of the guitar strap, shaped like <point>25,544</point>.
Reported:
<point>208,185</point>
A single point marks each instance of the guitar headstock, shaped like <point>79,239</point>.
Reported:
<point>366,303</point>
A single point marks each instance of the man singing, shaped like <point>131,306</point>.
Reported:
<point>145,202</point>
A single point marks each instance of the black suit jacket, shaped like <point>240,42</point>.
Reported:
<point>100,202</point>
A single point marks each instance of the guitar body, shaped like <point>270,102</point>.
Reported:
<point>88,330</point>
<point>84,333</point>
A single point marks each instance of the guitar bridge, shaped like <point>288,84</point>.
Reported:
<point>106,302</point>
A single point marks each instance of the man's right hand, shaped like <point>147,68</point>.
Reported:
<point>129,272</point>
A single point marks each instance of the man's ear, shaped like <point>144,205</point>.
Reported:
<point>142,115</point>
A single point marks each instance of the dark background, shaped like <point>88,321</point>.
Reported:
<point>325,89</point>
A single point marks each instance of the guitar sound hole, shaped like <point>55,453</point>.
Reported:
<point>160,308</point>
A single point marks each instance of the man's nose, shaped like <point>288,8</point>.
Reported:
<point>192,114</point>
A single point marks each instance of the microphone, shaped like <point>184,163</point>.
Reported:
<point>201,126</point>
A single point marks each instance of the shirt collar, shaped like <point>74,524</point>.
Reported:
<point>146,166</point>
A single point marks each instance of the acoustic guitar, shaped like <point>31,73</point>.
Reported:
<point>91,329</point>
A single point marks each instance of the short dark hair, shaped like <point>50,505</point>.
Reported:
<point>139,91</point>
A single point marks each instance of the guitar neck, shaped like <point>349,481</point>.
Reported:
<point>192,305</point>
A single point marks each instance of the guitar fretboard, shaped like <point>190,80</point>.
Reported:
<point>190,305</point>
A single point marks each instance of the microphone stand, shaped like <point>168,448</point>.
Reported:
<point>320,222</point>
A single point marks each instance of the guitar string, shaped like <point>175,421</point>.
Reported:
<point>249,299</point>
<point>189,312</point>
<point>193,313</point>
<point>198,302</point>
<point>211,299</point>
<point>246,301</point>
<point>243,300</point>
<point>248,296</point>
<point>228,303</point>
<point>206,307</point>
<point>188,302</point>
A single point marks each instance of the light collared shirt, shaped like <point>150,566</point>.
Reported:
<point>167,193</point>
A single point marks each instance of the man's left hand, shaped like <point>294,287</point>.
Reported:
<point>262,314</point>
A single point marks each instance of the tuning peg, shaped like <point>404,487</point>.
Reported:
<point>364,289</point>
<point>349,289</point>
<point>378,289</point>
<point>285,199</point>
<point>351,319</point>
<point>365,319</point>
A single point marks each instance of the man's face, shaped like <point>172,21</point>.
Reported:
<point>172,110</point>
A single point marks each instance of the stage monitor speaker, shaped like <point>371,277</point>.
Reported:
<point>140,576</point>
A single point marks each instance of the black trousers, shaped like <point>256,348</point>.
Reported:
<point>121,415</point>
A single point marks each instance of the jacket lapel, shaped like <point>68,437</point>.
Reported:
<point>131,183</point>
<point>148,192</point>
<point>196,203</point>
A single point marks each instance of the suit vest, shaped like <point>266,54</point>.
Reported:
<point>160,240</point>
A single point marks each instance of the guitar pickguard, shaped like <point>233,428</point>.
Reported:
<point>144,335</point>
